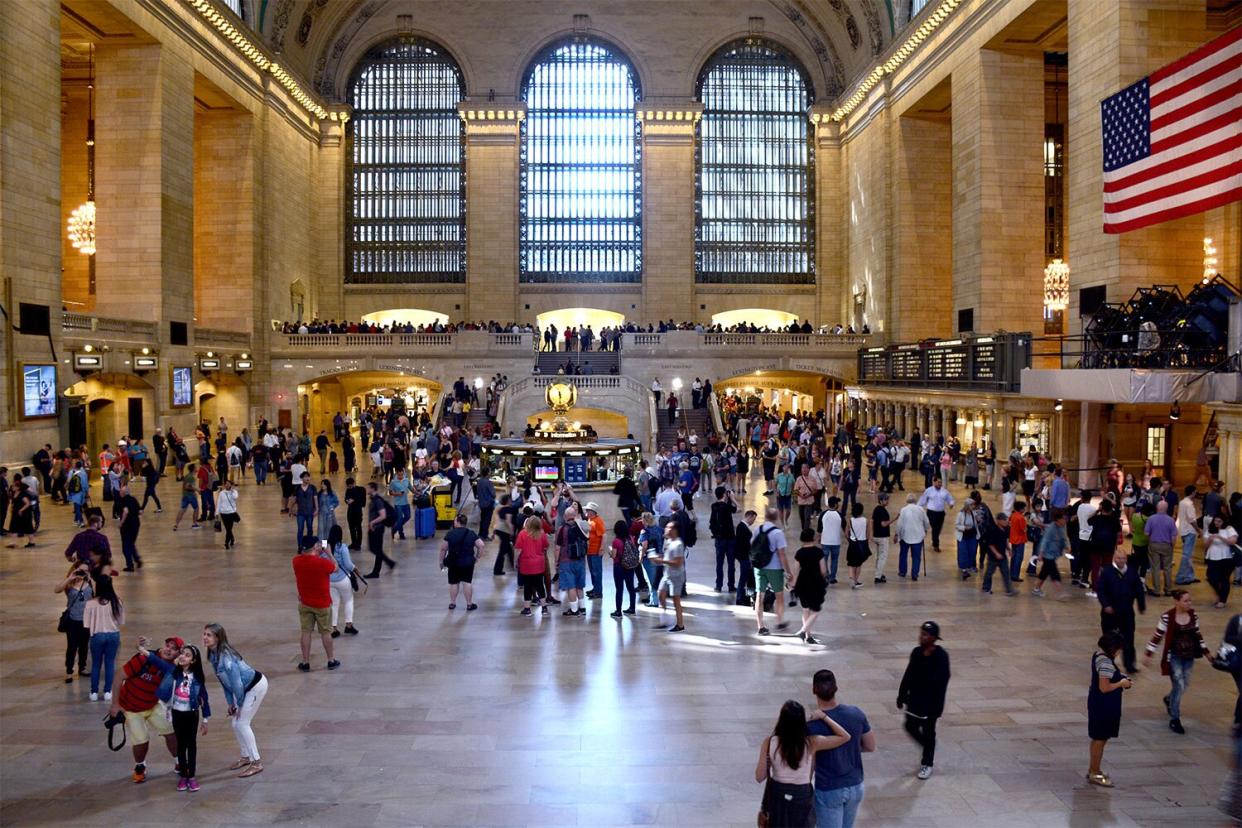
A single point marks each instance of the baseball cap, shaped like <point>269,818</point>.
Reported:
<point>180,642</point>
<point>931,628</point>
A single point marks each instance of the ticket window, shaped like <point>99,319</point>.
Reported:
<point>1033,431</point>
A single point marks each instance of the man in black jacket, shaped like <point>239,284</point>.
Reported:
<point>922,692</point>
<point>1118,588</point>
<point>741,553</point>
<point>723,534</point>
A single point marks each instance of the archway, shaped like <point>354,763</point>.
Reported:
<point>577,317</point>
<point>405,316</point>
<point>759,317</point>
<point>116,405</point>
<point>223,395</point>
<point>783,392</point>
<point>350,393</point>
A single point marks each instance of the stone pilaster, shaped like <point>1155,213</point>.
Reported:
<point>998,190</point>
<point>224,233</point>
<point>492,147</point>
<point>330,219</point>
<point>830,263</point>
<point>922,284</point>
<point>668,211</point>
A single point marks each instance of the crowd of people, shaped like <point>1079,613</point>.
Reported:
<point>1118,542</point>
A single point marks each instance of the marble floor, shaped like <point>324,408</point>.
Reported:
<point>443,718</point>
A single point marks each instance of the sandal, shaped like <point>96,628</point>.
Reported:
<point>1100,779</point>
<point>255,767</point>
<point>240,763</point>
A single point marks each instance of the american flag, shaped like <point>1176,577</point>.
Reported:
<point>1173,141</point>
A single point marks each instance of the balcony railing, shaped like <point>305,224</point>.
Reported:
<point>462,342</point>
<point>213,336</point>
<point>80,324</point>
<point>985,363</point>
<point>683,341</point>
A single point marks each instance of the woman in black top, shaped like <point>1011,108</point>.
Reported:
<point>809,582</point>
<point>1104,703</point>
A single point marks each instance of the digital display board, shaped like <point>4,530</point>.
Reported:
<point>182,388</point>
<point>545,473</point>
<point>39,390</point>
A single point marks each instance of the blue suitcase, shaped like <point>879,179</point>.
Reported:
<point>425,522</point>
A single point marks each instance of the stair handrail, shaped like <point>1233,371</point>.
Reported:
<point>713,410</point>
<point>653,421</point>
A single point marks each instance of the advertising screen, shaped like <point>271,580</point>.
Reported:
<point>544,473</point>
<point>39,391</point>
<point>182,387</point>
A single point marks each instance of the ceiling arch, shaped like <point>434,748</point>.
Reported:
<point>321,39</point>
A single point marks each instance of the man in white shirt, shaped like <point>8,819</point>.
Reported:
<point>937,501</point>
<point>912,529</point>
<point>1187,529</point>
<point>657,390</point>
<point>1086,509</point>
<point>830,528</point>
<point>771,575</point>
<point>663,504</point>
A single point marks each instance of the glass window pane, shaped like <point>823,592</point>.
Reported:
<point>755,220</point>
<point>407,198</point>
<point>580,170</point>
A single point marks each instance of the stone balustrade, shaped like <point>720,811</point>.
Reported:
<point>693,342</point>
<point>443,344</point>
<point>86,326</point>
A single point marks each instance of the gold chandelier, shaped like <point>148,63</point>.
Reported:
<point>81,225</point>
<point>1056,285</point>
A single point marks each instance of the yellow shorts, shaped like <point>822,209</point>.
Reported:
<point>312,617</point>
<point>138,726</point>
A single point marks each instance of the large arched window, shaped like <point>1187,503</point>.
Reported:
<point>407,180</point>
<point>580,199</point>
<point>755,194</point>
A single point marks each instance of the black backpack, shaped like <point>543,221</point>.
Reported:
<point>631,557</point>
<point>761,549</point>
<point>390,513</point>
<point>575,542</point>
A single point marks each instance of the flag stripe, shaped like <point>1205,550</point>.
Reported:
<point>1187,165</point>
<point>1173,141</point>
<point>1206,53</point>
<point>1220,135</point>
<point>1219,77</point>
<point>1222,100</point>
<point>1180,208</point>
<point>1180,184</point>
<point>1228,117</point>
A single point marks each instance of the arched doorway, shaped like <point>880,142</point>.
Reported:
<point>351,393</point>
<point>759,317</point>
<point>405,316</point>
<point>564,318</point>
<point>783,392</point>
<point>223,395</point>
<point>116,406</point>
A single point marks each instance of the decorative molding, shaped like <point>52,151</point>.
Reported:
<point>488,111</point>
<point>689,113</point>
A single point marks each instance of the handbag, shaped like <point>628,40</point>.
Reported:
<point>62,626</point>
<point>764,818</point>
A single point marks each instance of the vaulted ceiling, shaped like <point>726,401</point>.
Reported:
<point>322,39</point>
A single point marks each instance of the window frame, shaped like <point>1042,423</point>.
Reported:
<point>634,247</point>
<point>788,61</point>
<point>375,56</point>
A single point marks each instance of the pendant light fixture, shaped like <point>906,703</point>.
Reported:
<point>81,227</point>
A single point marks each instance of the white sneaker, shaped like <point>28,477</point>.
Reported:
<point>108,696</point>
<point>94,697</point>
<point>1090,593</point>
<point>925,772</point>
<point>1037,592</point>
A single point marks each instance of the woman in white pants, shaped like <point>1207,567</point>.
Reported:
<point>244,689</point>
<point>339,584</point>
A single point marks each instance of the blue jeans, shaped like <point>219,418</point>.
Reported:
<point>1186,569</point>
<point>306,528</point>
<point>103,656</point>
<point>724,557</point>
<point>838,807</point>
<point>1017,550</point>
<point>1179,674</point>
<point>966,549</point>
<point>916,558</point>
<point>260,471</point>
<point>403,517</point>
<point>831,554</point>
<point>653,582</point>
<point>596,564</point>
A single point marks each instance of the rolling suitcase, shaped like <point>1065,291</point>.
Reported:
<point>425,522</point>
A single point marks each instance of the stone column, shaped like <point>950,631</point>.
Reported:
<point>1091,438</point>
<point>144,162</point>
<point>492,147</point>
<point>998,189</point>
<point>1114,43</point>
<point>668,211</point>
<point>224,221</point>
<point>830,260</point>
<point>330,218</point>
<point>1230,443</point>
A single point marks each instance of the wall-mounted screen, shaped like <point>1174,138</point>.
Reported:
<point>39,390</point>
<point>544,473</point>
<point>182,388</point>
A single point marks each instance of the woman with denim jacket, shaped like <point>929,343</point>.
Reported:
<point>244,689</point>
<point>184,690</point>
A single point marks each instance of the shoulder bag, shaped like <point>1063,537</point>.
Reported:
<point>63,625</point>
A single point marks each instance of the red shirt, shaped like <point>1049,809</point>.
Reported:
<point>142,680</point>
<point>532,553</point>
<point>311,573</point>
<point>1017,528</point>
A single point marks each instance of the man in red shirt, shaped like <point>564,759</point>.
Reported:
<point>144,712</point>
<point>311,569</point>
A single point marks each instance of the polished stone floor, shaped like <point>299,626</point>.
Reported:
<point>443,718</point>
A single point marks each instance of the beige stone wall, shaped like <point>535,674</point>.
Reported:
<point>868,225</point>
<point>668,221</point>
<point>492,218</point>
<point>922,280</point>
<point>76,267</point>
<point>224,204</point>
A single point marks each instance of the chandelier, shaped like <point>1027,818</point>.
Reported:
<point>1209,260</point>
<point>81,225</point>
<point>1056,285</point>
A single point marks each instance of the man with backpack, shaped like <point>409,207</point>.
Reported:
<point>380,517</point>
<point>459,551</point>
<point>571,541</point>
<point>767,557</point>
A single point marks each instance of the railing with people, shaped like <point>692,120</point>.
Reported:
<point>685,341</point>
<point>477,342</point>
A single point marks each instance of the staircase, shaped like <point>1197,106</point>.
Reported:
<point>691,419</point>
<point>593,363</point>
<point>477,417</point>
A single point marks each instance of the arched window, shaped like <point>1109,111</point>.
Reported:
<point>237,7</point>
<point>755,188</point>
<point>580,197</point>
<point>407,178</point>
